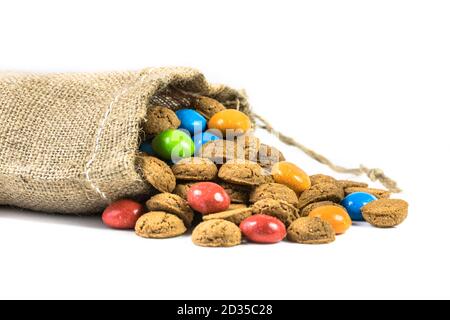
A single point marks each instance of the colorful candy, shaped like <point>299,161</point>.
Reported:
<point>208,197</point>
<point>334,215</point>
<point>230,120</point>
<point>122,214</point>
<point>261,228</point>
<point>191,120</point>
<point>202,138</point>
<point>354,202</point>
<point>173,145</point>
<point>292,176</point>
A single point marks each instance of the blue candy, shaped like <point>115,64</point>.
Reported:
<point>202,138</point>
<point>192,121</point>
<point>146,147</point>
<point>354,202</point>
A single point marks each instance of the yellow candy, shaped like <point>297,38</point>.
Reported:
<point>292,176</point>
<point>336,216</point>
<point>230,119</point>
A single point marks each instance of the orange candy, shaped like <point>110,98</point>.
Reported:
<point>292,176</point>
<point>334,215</point>
<point>230,119</point>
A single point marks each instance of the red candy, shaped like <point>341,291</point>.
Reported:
<point>122,214</point>
<point>208,197</point>
<point>261,228</point>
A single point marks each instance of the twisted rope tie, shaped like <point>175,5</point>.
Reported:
<point>375,174</point>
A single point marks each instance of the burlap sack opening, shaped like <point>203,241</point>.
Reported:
<point>68,142</point>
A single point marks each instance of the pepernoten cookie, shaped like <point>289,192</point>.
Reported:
<point>247,147</point>
<point>235,206</point>
<point>274,191</point>
<point>238,194</point>
<point>307,210</point>
<point>279,209</point>
<point>236,216</point>
<point>207,106</point>
<point>160,119</point>
<point>195,169</point>
<point>268,156</point>
<point>243,172</point>
<point>181,189</point>
<point>320,192</point>
<point>385,213</point>
<point>379,193</point>
<point>309,230</point>
<point>157,173</point>
<point>217,233</point>
<point>159,225</point>
<point>172,203</point>
<point>219,151</point>
<point>241,148</point>
<point>321,178</point>
<point>348,184</point>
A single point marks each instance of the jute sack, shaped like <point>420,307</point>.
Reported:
<point>68,142</point>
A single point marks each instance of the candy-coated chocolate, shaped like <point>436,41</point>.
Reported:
<point>261,228</point>
<point>334,215</point>
<point>191,120</point>
<point>122,214</point>
<point>202,138</point>
<point>173,144</point>
<point>146,147</point>
<point>233,120</point>
<point>354,202</point>
<point>208,197</point>
<point>291,176</point>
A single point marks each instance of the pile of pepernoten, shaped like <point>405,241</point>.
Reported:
<point>207,171</point>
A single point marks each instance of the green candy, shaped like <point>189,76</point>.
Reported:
<point>173,145</point>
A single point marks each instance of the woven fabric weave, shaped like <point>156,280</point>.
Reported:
<point>68,142</point>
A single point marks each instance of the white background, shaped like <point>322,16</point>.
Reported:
<point>360,81</point>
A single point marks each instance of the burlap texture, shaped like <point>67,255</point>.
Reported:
<point>68,142</point>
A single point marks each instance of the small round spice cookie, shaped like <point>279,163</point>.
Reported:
<point>207,106</point>
<point>321,178</point>
<point>247,147</point>
<point>274,191</point>
<point>195,169</point>
<point>246,173</point>
<point>308,230</point>
<point>182,189</point>
<point>217,233</point>
<point>157,173</point>
<point>385,213</point>
<point>236,216</point>
<point>279,209</point>
<point>219,151</point>
<point>379,193</point>
<point>348,184</point>
<point>307,210</point>
<point>160,119</point>
<point>235,206</point>
<point>159,225</point>
<point>321,192</point>
<point>171,203</point>
<point>268,156</point>
<point>237,193</point>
